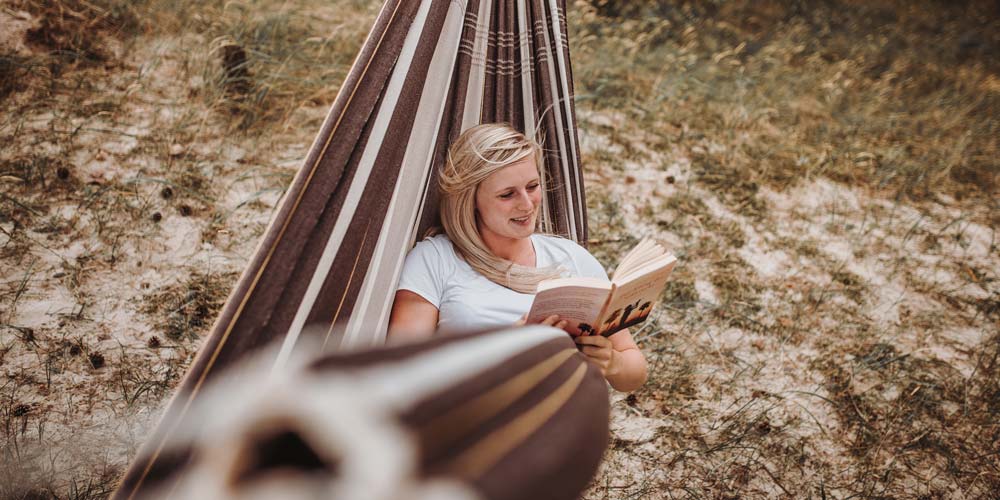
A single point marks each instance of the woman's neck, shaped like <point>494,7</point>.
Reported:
<point>517,250</point>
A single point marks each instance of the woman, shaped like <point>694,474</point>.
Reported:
<point>483,271</point>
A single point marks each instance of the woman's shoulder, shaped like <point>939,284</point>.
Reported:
<point>429,266</point>
<point>437,241</point>
<point>437,247</point>
<point>561,244</point>
<point>564,251</point>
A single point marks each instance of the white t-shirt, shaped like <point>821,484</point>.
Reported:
<point>467,300</point>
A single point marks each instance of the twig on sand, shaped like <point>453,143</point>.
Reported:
<point>22,286</point>
<point>18,203</point>
<point>771,475</point>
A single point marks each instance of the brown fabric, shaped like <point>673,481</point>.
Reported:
<point>507,414</point>
<point>327,265</point>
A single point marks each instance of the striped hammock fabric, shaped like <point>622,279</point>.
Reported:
<point>509,414</point>
<point>329,262</point>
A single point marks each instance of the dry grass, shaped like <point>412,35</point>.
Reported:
<point>143,146</point>
<point>825,171</point>
<point>189,307</point>
<point>902,97</point>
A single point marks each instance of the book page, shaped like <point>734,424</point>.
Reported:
<point>644,268</point>
<point>579,305</point>
<point>634,257</point>
<point>633,300</point>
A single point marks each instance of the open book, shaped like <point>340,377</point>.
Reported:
<point>594,306</point>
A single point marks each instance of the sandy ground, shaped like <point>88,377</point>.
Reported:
<point>915,271</point>
<point>112,270</point>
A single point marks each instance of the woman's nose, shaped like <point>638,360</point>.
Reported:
<point>526,203</point>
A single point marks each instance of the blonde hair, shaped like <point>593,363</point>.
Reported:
<point>475,155</point>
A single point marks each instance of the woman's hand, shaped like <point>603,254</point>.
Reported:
<point>554,321</point>
<point>600,352</point>
<point>550,321</point>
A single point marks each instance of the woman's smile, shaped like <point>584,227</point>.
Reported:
<point>524,221</point>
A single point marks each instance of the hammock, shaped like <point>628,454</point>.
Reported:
<point>331,257</point>
<point>509,414</point>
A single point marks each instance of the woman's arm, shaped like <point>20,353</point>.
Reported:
<point>412,318</point>
<point>619,359</point>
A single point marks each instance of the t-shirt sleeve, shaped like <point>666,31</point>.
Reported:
<point>423,272</point>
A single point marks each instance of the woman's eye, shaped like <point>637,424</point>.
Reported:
<point>532,187</point>
<point>506,195</point>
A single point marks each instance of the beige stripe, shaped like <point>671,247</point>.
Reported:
<point>260,271</point>
<point>478,459</point>
<point>353,199</point>
<point>477,73</point>
<point>507,66</point>
<point>530,125</point>
<point>554,78</point>
<point>347,288</point>
<point>567,130</point>
<point>403,384</point>
<point>459,421</point>
<point>369,319</point>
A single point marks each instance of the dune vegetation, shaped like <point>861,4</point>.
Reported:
<point>827,173</point>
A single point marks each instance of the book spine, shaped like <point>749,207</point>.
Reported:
<point>604,307</point>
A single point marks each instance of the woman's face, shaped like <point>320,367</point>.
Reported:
<point>507,201</point>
